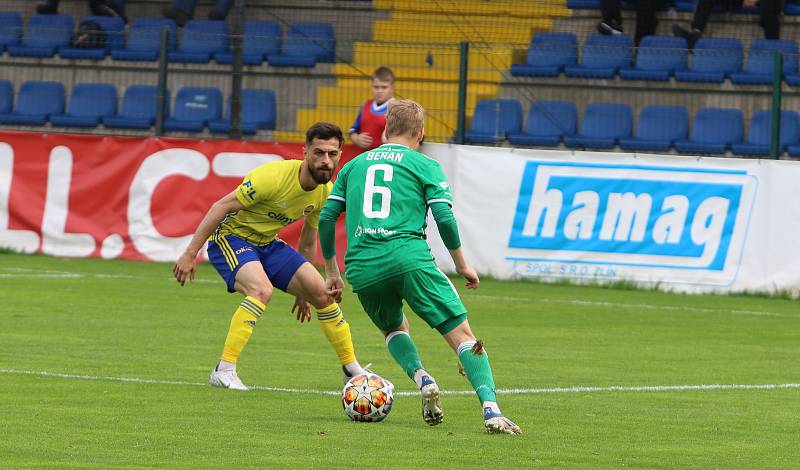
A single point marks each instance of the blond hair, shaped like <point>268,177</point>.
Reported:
<point>404,117</point>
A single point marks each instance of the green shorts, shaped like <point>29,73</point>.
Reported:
<point>428,292</point>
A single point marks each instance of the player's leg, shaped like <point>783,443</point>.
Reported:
<point>383,303</point>
<point>239,265</point>
<point>434,298</point>
<point>307,283</point>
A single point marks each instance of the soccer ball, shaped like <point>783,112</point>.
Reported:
<point>367,397</point>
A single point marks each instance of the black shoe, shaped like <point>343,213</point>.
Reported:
<point>178,16</point>
<point>47,8</point>
<point>611,28</point>
<point>690,36</point>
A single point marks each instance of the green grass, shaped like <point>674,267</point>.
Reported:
<point>129,319</point>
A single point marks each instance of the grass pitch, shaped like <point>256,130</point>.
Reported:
<point>103,364</point>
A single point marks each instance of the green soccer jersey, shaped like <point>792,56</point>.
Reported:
<point>387,192</point>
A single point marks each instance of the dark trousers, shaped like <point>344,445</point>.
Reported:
<point>769,12</point>
<point>646,21</point>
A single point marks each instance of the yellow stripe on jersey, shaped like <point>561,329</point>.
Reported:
<point>273,198</point>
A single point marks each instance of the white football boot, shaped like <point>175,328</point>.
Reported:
<point>496,423</point>
<point>226,379</point>
<point>432,411</point>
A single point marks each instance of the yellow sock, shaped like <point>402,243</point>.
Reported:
<point>242,323</point>
<point>337,330</point>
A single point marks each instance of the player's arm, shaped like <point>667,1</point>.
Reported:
<point>334,285</point>
<point>448,229</point>
<point>307,246</point>
<point>361,140</point>
<point>185,266</point>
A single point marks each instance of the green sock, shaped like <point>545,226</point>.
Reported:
<point>404,351</point>
<point>478,371</point>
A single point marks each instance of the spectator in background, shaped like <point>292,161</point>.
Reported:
<point>646,20</point>
<point>183,10</point>
<point>367,130</point>
<point>769,11</point>
<point>97,7</point>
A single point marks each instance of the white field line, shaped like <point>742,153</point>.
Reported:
<point>515,391</point>
<point>13,273</point>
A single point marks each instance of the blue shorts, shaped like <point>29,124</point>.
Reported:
<point>280,261</point>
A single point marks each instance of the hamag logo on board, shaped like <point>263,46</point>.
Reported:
<point>650,223</point>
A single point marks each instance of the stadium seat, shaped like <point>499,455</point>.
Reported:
<point>548,122</point>
<point>583,4</point>
<point>200,40</point>
<point>305,45</point>
<point>685,6</point>
<point>139,106</point>
<point>548,54</point>
<point>194,107</point>
<point>602,125</point>
<point>44,35</point>
<point>657,59</point>
<point>261,38</point>
<point>114,36</point>
<point>6,97</point>
<point>761,61</point>
<point>144,39</point>
<point>713,130</point>
<point>791,8</point>
<point>89,103</point>
<point>759,137</point>
<point>258,112</point>
<point>35,103</point>
<point>713,59</point>
<point>10,29</point>
<point>658,128</point>
<point>494,120</point>
<point>603,56</point>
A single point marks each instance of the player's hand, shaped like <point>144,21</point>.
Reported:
<point>184,268</point>
<point>334,286</point>
<point>362,140</point>
<point>470,275</point>
<point>749,3</point>
<point>302,308</point>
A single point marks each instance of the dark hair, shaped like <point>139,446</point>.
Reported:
<point>324,130</point>
<point>384,74</point>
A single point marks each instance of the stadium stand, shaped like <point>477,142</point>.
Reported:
<point>603,57</point>
<point>43,36</point>
<point>547,124</point>
<point>139,106</point>
<point>6,96</point>
<point>602,125</point>
<point>36,102</point>
<point>194,107</point>
<point>305,45</point>
<point>98,46</point>
<point>494,120</point>
<point>258,113</point>
<point>713,60</point>
<point>759,135</point>
<point>10,29</point>
<point>657,129</point>
<point>200,40</point>
<point>144,39</point>
<point>88,104</point>
<point>261,38</point>
<point>548,54</point>
<point>713,131</point>
<point>657,58</point>
<point>761,61</point>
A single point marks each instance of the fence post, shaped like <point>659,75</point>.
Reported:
<point>161,94</point>
<point>236,81</point>
<point>462,91</point>
<point>775,129</point>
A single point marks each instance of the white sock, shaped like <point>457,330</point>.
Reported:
<point>225,365</point>
<point>493,406</point>
<point>419,374</point>
<point>353,369</point>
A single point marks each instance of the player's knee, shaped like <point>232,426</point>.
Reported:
<point>320,300</point>
<point>263,293</point>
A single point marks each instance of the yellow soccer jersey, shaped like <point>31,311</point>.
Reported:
<point>272,199</point>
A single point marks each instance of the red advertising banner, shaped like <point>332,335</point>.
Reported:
<point>120,197</point>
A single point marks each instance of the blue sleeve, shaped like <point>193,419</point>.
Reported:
<point>356,125</point>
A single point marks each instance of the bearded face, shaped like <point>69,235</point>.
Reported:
<point>322,158</point>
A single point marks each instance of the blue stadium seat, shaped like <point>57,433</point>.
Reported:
<point>603,57</point>
<point>144,39</point>
<point>305,45</point>
<point>6,97</point>
<point>200,40</point>
<point>114,29</point>
<point>10,29</point>
<point>548,54</point>
<point>657,59</point>
<point>139,106</point>
<point>494,120</point>
<point>261,38</point>
<point>548,122</point>
<point>713,59</point>
<point>685,6</point>
<point>759,137</point>
<point>658,128</point>
<point>583,4</point>
<point>713,130</point>
<point>602,125</point>
<point>791,8</point>
<point>89,103</point>
<point>35,103</point>
<point>44,35</point>
<point>258,112</point>
<point>761,61</point>
<point>194,107</point>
